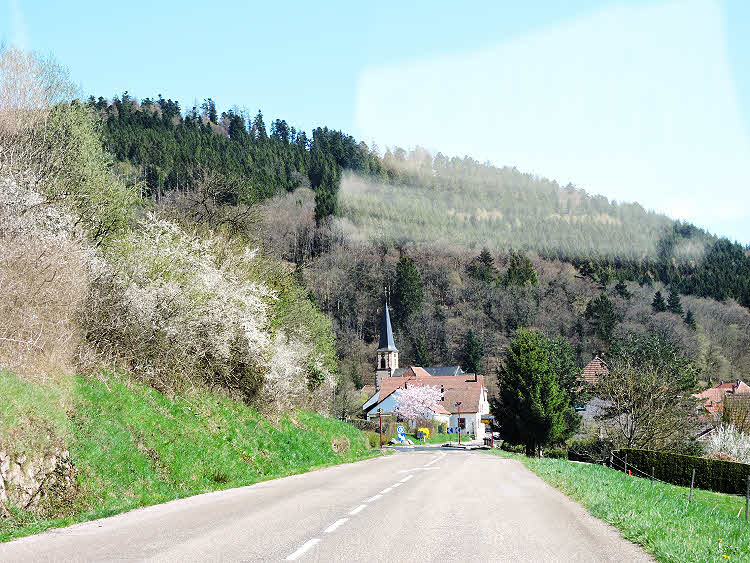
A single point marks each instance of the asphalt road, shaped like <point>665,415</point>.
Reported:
<point>432,505</point>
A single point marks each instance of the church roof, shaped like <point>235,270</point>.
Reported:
<point>440,371</point>
<point>386,333</point>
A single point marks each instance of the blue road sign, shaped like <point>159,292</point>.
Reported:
<point>400,430</point>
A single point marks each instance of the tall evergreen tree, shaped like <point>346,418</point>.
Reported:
<point>658,304</point>
<point>601,315</point>
<point>521,271</point>
<point>421,354</point>
<point>690,319</point>
<point>533,407</point>
<point>673,303</point>
<point>408,292</point>
<point>472,353</point>
<point>621,289</point>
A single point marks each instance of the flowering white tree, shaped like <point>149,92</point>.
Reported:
<point>415,402</point>
<point>728,440</point>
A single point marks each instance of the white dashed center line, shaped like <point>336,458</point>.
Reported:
<point>405,479</point>
<point>307,546</point>
<point>434,460</point>
<point>357,510</point>
<point>335,525</point>
<point>396,485</point>
<point>386,490</point>
<point>373,499</point>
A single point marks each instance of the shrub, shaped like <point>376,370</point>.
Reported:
<point>373,438</point>
<point>728,440</point>
<point>590,450</point>
<point>710,474</point>
<point>556,454</point>
<point>513,448</point>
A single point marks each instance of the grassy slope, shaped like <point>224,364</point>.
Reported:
<point>657,518</point>
<point>132,446</point>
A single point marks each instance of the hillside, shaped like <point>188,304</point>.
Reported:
<point>148,349</point>
<point>116,445</point>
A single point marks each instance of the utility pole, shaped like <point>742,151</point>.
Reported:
<point>380,417</point>
<point>458,405</point>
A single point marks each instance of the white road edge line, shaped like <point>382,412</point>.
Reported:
<point>357,510</point>
<point>307,546</point>
<point>405,479</point>
<point>335,525</point>
<point>396,485</point>
<point>373,499</point>
<point>386,490</point>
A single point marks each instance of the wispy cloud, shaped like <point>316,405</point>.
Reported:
<point>20,32</point>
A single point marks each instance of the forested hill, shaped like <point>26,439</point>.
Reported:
<point>413,197</point>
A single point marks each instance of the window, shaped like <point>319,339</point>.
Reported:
<point>462,423</point>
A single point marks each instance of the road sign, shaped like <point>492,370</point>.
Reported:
<point>487,418</point>
<point>400,430</point>
<point>450,430</point>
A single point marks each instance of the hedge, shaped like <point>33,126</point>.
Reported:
<point>710,474</point>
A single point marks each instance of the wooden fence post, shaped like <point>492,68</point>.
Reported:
<point>652,475</point>
<point>692,484</point>
<point>626,463</point>
<point>747,497</point>
<point>611,462</point>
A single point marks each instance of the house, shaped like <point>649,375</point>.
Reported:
<point>712,399</point>
<point>594,406</point>
<point>593,370</point>
<point>468,389</point>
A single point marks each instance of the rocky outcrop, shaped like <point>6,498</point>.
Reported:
<point>35,483</point>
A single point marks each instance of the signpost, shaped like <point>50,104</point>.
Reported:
<point>458,406</point>
<point>401,434</point>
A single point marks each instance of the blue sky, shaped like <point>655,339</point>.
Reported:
<point>644,101</point>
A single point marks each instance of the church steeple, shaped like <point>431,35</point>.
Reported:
<point>387,353</point>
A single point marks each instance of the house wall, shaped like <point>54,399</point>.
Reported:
<point>473,424</point>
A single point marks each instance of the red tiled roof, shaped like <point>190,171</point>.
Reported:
<point>466,388</point>
<point>593,370</point>
<point>713,397</point>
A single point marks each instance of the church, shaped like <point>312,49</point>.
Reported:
<point>458,389</point>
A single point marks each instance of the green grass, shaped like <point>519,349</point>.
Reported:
<point>658,517</point>
<point>132,446</point>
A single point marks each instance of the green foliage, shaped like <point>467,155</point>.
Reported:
<point>658,517</point>
<point>589,450</point>
<point>556,454</point>
<point>658,304</point>
<point>521,271</point>
<point>533,405</point>
<point>710,474</point>
<point>483,267</point>
<point>602,316</point>
<point>407,291</point>
<point>133,446</point>
<point>673,303</point>
<point>621,289</point>
<point>690,320</point>
<point>421,353</point>
<point>472,353</point>
<point>513,448</point>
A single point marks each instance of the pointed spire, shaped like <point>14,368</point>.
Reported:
<point>386,333</point>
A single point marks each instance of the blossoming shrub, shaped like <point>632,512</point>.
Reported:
<point>177,309</point>
<point>43,278</point>
<point>727,439</point>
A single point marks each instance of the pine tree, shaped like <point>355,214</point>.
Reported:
<point>690,319</point>
<point>421,354</point>
<point>472,353</point>
<point>533,407</point>
<point>673,303</point>
<point>621,289</point>
<point>658,304</point>
<point>521,271</point>
<point>601,315</point>
<point>408,292</point>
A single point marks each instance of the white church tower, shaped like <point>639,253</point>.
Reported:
<point>387,354</point>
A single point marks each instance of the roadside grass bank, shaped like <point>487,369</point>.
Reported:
<point>132,446</point>
<point>657,518</point>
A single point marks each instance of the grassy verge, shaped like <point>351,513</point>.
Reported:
<point>658,517</point>
<point>132,446</point>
